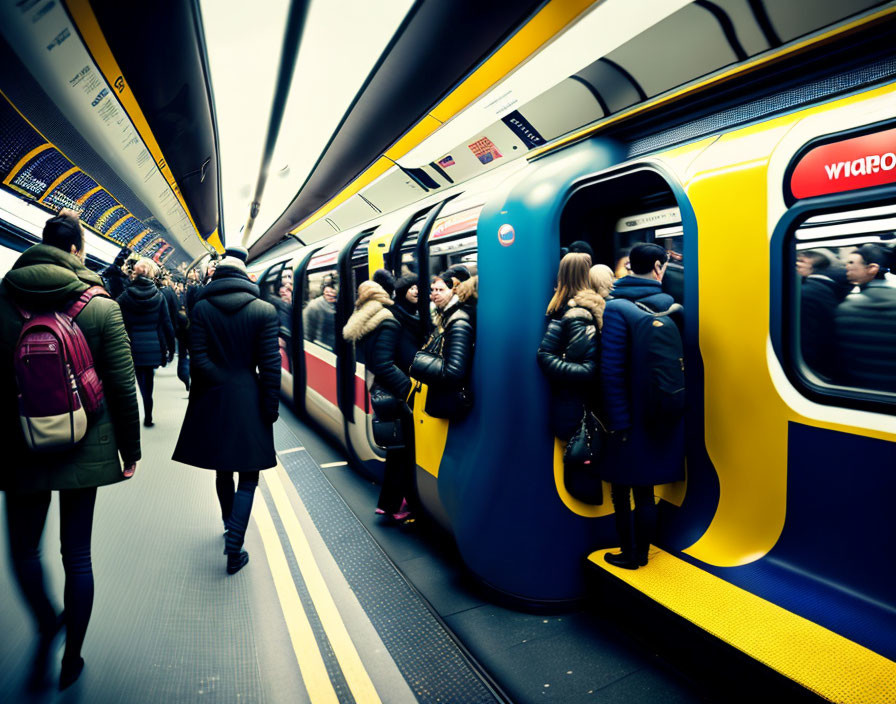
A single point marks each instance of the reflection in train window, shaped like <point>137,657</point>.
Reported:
<point>276,289</point>
<point>843,306</point>
<point>319,315</point>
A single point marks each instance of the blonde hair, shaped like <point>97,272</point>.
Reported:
<point>602,279</point>
<point>572,277</point>
<point>152,270</point>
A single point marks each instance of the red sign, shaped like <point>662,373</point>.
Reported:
<point>860,162</point>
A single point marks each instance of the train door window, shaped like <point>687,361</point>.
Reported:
<point>453,241</point>
<point>842,309</point>
<point>615,214</point>
<point>276,288</point>
<point>321,291</point>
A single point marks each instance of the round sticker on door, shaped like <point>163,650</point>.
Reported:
<point>506,235</point>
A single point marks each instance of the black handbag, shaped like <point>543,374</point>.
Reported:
<point>384,403</point>
<point>582,458</point>
<point>388,434</point>
<point>450,404</point>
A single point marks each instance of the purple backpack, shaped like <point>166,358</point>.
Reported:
<point>58,386</point>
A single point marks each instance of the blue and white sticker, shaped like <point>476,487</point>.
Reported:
<point>506,235</point>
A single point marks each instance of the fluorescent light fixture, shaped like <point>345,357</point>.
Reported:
<point>340,44</point>
<point>31,219</point>
<point>605,27</point>
<point>847,228</point>
<point>662,232</point>
<point>853,214</point>
<point>844,242</point>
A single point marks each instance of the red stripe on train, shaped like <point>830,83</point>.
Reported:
<point>322,378</point>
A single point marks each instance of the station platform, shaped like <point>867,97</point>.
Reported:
<point>334,606</point>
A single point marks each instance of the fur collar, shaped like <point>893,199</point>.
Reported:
<point>587,304</point>
<point>371,310</point>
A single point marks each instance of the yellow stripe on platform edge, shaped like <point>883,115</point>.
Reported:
<point>820,660</point>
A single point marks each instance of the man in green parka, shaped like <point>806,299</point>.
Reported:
<point>50,276</point>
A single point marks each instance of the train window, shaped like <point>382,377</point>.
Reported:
<point>319,314</point>
<point>276,287</point>
<point>843,302</point>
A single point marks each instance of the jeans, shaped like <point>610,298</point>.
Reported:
<point>236,507</point>
<point>26,515</point>
<point>634,543</point>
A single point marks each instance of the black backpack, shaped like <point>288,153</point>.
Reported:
<point>658,353</point>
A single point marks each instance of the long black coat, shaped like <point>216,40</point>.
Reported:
<point>148,323</point>
<point>568,357</point>
<point>235,370</point>
<point>447,373</point>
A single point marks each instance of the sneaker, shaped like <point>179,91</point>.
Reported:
<point>403,511</point>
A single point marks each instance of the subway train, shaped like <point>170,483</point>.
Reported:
<point>790,468</point>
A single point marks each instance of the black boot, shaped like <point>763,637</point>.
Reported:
<point>37,678</point>
<point>236,527</point>
<point>622,508</point>
<point>645,523</point>
<point>620,559</point>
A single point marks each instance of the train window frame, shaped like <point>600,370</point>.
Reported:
<point>784,300</point>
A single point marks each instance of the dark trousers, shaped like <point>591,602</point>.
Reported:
<point>145,380</point>
<point>634,542</point>
<point>183,359</point>
<point>26,515</point>
<point>401,469</point>
<point>236,506</point>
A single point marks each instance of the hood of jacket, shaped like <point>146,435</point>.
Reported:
<point>141,295</point>
<point>648,291</point>
<point>371,309</point>
<point>587,304</point>
<point>45,277</point>
<point>230,291</point>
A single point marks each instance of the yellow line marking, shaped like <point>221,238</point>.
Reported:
<point>102,218</point>
<point>59,179</point>
<point>333,464</point>
<point>137,237</point>
<point>290,450</point>
<point>24,160</point>
<point>356,675</point>
<point>311,662</point>
<point>709,82</point>
<point>83,199</point>
<point>96,43</point>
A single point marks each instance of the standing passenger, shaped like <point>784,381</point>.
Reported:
<point>640,453</point>
<point>51,276</point>
<point>445,363</point>
<point>568,353</point>
<point>235,394</point>
<point>388,356</point>
<point>149,326</point>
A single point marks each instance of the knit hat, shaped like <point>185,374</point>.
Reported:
<point>235,257</point>
<point>403,285</point>
<point>455,271</point>
<point>385,279</point>
<point>580,247</point>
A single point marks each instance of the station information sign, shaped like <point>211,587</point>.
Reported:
<point>846,165</point>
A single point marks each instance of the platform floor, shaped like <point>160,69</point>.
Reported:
<point>334,606</point>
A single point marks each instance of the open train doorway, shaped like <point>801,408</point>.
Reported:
<point>614,213</point>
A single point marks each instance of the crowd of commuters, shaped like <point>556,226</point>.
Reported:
<point>229,347</point>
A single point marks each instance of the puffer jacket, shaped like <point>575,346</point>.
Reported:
<point>46,278</point>
<point>149,326</point>
<point>447,374</point>
<point>568,357</point>
<point>865,326</point>
<point>373,324</point>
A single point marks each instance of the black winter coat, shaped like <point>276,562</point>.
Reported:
<point>114,280</point>
<point>411,339</point>
<point>448,373</point>
<point>173,304</point>
<point>865,325</point>
<point>235,373</point>
<point>148,324</point>
<point>568,357</point>
<point>819,296</point>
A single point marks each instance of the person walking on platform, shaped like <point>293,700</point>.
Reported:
<point>646,445</point>
<point>51,277</point>
<point>150,328</point>
<point>234,395</point>
<point>389,348</point>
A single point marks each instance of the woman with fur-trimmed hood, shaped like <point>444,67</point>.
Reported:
<point>568,354</point>
<point>374,327</point>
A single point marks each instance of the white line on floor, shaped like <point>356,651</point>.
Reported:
<point>333,464</point>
